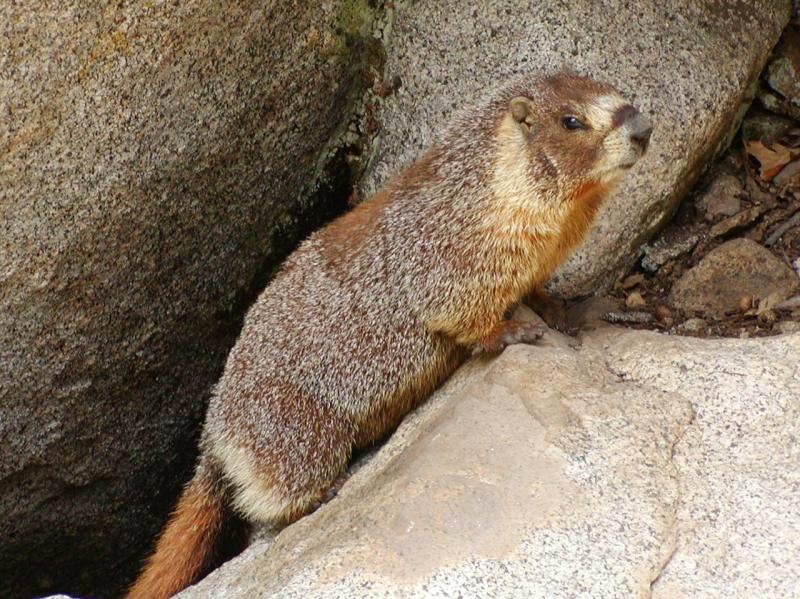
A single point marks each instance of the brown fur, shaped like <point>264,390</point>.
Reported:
<point>376,310</point>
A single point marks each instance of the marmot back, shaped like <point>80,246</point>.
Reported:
<point>370,314</point>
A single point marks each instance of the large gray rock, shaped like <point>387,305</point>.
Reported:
<point>636,464</point>
<point>156,160</point>
<point>690,64</point>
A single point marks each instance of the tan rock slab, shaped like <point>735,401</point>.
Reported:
<point>738,464</point>
<point>535,474</point>
<point>637,465</point>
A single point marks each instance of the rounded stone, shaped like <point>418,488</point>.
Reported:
<point>737,268</point>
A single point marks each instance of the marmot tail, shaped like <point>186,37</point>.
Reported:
<point>201,534</point>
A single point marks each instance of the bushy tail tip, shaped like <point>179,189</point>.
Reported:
<point>201,534</point>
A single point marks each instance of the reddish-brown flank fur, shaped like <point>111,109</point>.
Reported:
<point>370,314</point>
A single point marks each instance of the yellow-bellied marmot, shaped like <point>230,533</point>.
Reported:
<point>374,311</point>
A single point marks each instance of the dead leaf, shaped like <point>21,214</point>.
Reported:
<point>737,221</point>
<point>772,160</point>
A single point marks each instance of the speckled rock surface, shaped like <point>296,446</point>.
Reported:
<point>738,464</point>
<point>689,64</point>
<point>737,268</point>
<point>638,464</point>
<point>155,160</point>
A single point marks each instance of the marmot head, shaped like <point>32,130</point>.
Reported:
<point>575,133</point>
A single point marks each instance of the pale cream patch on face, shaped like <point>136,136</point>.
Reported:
<point>600,112</point>
<point>617,150</point>
<point>619,154</point>
<point>513,185</point>
<point>511,179</point>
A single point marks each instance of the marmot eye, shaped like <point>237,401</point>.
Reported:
<point>572,123</point>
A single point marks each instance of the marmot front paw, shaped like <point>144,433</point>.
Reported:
<point>511,332</point>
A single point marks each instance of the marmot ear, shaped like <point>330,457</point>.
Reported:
<point>521,109</point>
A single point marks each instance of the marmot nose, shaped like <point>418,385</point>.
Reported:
<point>640,128</point>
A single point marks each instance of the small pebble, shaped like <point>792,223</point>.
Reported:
<point>663,313</point>
<point>694,325</point>
<point>635,300</point>
<point>767,317</point>
<point>789,326</point>
<point>664,249</point>
<point>722,197</point>
<point>789,304</point>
